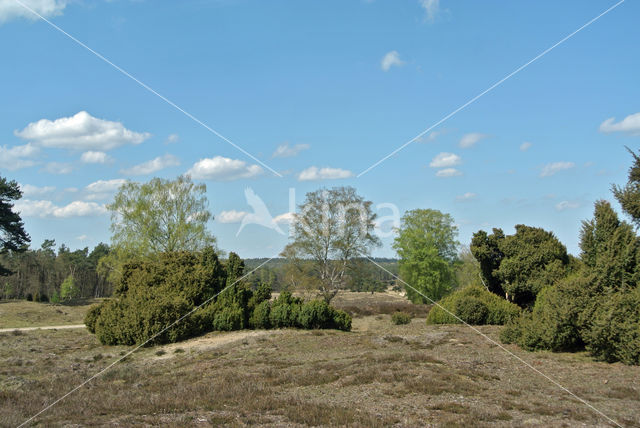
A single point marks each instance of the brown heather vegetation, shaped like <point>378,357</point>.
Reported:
<point>379,374</point>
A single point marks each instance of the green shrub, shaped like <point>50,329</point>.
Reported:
<point>29,297</point>
<point>559,319</point>
<point>472,311</point>
<point>615,332</point>
<point>341,320</point>
<point>260,316</point>
<point>492,309</point>
<point>91,317</point>
<point>399,318</point>
<point>284,315</point>
<point>229,318</point>
<point>315,314</point>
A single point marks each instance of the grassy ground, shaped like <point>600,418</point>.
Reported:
<point>20,313</point>
<point>377,375</point>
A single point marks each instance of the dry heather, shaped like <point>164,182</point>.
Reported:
<point>377,375</point>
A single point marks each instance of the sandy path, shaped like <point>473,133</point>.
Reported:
<point>48,327</point>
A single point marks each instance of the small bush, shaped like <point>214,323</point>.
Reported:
<point>29,297</point>
<point>91,317</point>
<point>400,318</point>
<point>485,308</point>
<point>260,316</point>
<point>229,318</point>
<point>341,320</point>
<point>472,311</point>
<point>315,314</point>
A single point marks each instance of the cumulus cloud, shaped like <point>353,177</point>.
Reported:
<point>469,140</point>
<point>172,138</point>
<point>391,59</point>
<point>629,125</point>
<point>555,167</point>
<point>525,146</point>
<point>285,218</point>
<point>17,157</point>
<point>444,160</point>
<point>286,151</point>
<point>466,197</point>
<point>448,172</point>
<point>105,186</point>
<point>223,169</point>
<point>153,165</point>
<point>10,9</point>
<point>314,173</point>
<point>30,190</point>
<point>80,132</point>
<point>45,209</point>
<point>231,216</point>
<point>58,168</point>
<point>567,205</point>
<point>95,157</point>
<point>431,7</point>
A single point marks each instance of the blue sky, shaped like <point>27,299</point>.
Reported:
<point>319,91</point>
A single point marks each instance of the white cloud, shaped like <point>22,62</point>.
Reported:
<point>466,197</point>
<point>431,7</point>
<point>172,138</point>
<point>95,157</point>
<point>58,168</point>
<point>10,9</point>
<point>105,186</point>
<point>525,146</point>
<point>430,137</point>
<point>231,216</point>
<point>17,157</point>
<point>153,165</point>
<point>286,218</point>
<point>567,205</point>
<point>314,173</point>
<point>82,237</point>
<point>630,125</point>
<point>444,160</point>
<point>469,140</point>
<point>223,169</point>
<point>448,172</point>
<point>286,151</point>
<point>29,190</point>
<point>391,59</point>
<point>80,132</point>
<point>45,208</point>
<point>552,168</point>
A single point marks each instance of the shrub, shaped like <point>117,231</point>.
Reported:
<point>492,308</point>
<point>260,316</point>
<point>615,333</point>
<point>559,319</point>
<point>91,317</point>
<point>341,320</point>
<point>229,318</point>
<point>29,297</point>
<point>315,314</point>
<point>400,318</point>
<point>472,311</point>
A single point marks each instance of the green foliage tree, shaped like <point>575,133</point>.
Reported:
<point>68,289</point>
<point>13,238</point>
<point>467,269</point>
<point>156,217</point>
<point>522,264</point>
<point>629,194</point>
<point>426,244</point>
<point>333,229</point>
